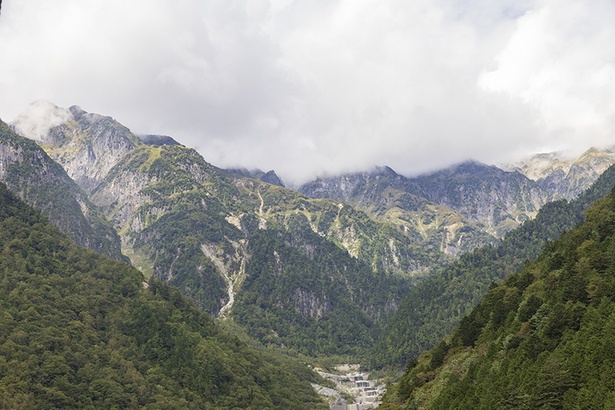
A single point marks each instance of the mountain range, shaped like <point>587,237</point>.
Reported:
<point>374,265</point>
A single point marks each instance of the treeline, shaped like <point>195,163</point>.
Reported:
<point>438,302</point>
<point>544,338</point>
<point>80,330</point>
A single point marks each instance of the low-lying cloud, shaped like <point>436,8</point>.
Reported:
<point>320,87</point>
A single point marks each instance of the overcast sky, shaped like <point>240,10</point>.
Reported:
<point>314,87</point>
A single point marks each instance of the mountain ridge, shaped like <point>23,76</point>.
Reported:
<point>236,241</point>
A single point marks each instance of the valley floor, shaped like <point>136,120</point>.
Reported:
<point>353,389</point>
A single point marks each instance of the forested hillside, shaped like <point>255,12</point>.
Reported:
<point>437,303</point>
<point>80,330</point>
<point>544,338</point>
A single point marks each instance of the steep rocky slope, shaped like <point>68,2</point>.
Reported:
<point>29,172</point>
<point>390,197</point>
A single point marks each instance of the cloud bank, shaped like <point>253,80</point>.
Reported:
<point>314,87</point>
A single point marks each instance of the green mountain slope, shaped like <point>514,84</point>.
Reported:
<point>80,330</point>
<point>261,253</point>
<point>438,302</point>
<point>544,338</point>
<point>29,172</point>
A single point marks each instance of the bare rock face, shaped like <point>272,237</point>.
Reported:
<point>86,145</point>
<point>496,200</point>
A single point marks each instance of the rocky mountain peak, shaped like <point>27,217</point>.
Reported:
<point>385,171</point>
<point>269,177</point>
<point>77,112</point>
<point>87,145</point>
<point>466,168</point>
<point>272,178</point>
<point>562,175</point>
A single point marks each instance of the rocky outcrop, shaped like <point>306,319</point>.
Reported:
<point>565,176</point>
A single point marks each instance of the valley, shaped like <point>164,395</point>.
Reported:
<point>373,266</point>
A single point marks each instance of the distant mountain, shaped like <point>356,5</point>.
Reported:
<point>32,175</point>
<point>158,140</point>
<point>468,204</point>
<point>80,330</point>
<point>495,200</point>
<point>269,177</point>
<point>544,338</point>
<point>392,198</point>
<point>564,176</point>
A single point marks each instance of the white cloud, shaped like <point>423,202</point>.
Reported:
<point>314,86</point>
<point>559,61</point>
